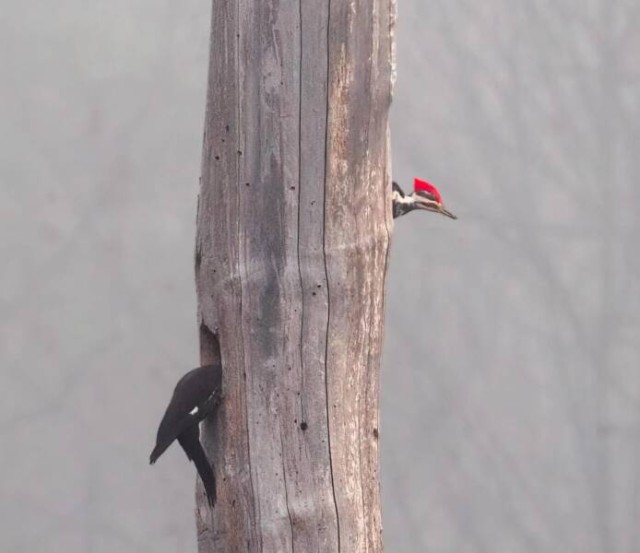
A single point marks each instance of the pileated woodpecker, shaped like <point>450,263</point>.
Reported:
<point>424,196</point>
<point>197,395</point>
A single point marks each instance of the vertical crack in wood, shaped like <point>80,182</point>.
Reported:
<point>240,265</point>
<point>369,294</point>
<point>326,274</point>
<point>301,281</point>
<point>302,296</point>
<point>286,492</point>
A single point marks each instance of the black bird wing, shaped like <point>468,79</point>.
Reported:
<point>196,395</point>
<point>190,442</point>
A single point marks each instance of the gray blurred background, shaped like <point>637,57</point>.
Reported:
<point>511,379</point>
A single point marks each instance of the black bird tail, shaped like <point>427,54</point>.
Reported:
<point>190,442</point>
<point>205,470</point>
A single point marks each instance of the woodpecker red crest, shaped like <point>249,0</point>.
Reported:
<point>425,186</point>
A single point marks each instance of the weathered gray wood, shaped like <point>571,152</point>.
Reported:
<point>293,231</point>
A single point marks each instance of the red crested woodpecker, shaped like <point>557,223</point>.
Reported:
<point>196,396</point>
<point>425,196</point>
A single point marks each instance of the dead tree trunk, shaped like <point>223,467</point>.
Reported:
<point>294,219</point>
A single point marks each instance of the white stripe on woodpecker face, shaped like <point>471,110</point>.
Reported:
<point>194,411</point>
<point>399,199</point>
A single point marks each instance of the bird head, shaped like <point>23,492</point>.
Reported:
<point>428,198</point>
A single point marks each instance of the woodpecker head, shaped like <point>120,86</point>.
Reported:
<point>425,196</point>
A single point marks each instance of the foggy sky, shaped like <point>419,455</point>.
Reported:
<point>511,375</point>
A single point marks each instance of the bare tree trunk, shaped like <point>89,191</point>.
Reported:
<point>294,219</point>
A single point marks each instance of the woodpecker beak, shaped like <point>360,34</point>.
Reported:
<point>446,212</point>
<point>429,205</point>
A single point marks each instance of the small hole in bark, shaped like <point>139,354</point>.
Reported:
<point>239,152</point>
<point>217,158</point>
<point>226,128</point>
<point>303,426</point>
<point>375,433</point>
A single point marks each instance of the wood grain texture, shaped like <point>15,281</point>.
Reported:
<point>293,231</point>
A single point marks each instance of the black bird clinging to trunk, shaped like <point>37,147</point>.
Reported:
<point>196,396</point>
<point>425,196</point>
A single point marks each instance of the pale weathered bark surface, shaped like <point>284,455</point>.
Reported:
<point>293,231</point>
